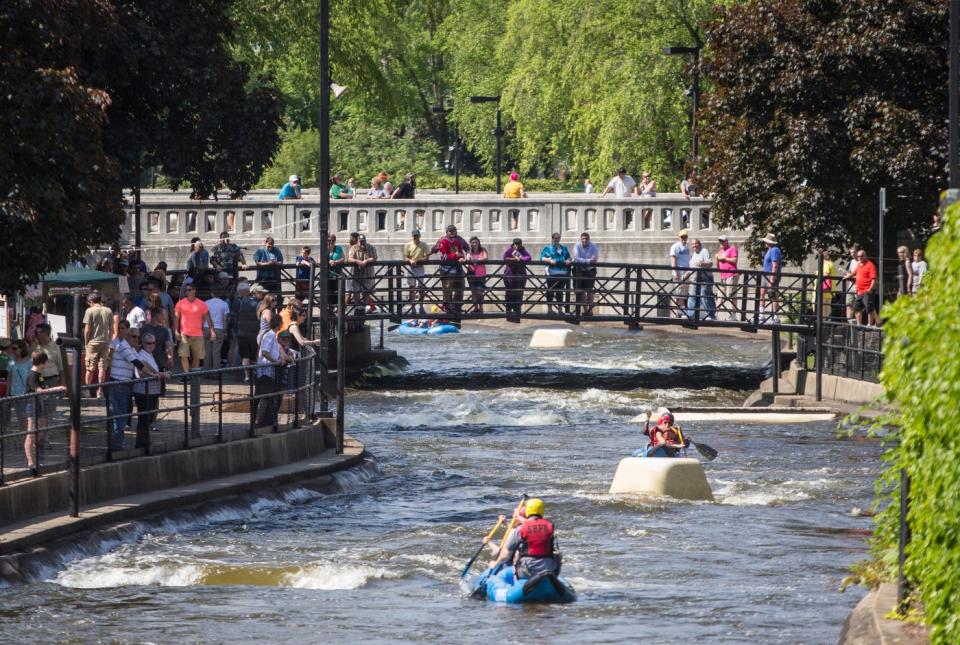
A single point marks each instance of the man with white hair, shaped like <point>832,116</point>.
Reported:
<point>291,189</point>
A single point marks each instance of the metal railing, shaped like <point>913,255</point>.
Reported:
<point>630,293</point>
<point>43,432</point>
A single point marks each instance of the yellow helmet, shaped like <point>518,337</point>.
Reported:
<point>534,507</point>
<point>434,309</point>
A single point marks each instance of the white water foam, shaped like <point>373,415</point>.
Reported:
<point>330,577</point>
<point>752,493</point>
<point>116,570</point>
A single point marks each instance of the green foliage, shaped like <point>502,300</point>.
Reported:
<point>816,104</point>
<point>180,101</point>
<point>585,85</point>
<point>922,376</point>
<point>59,189</point>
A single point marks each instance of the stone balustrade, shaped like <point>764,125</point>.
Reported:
<point>627,230</point>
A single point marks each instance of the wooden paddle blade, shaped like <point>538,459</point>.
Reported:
<point>708,453</point>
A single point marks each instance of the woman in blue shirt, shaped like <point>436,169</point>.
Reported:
<point>558,274</point>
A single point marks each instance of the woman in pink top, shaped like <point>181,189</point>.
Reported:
<point>729,278</point>
<point>476,273</point>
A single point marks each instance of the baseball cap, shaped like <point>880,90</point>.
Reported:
<point>415,231</point>
<point>258,288</point>
<point>293,178</point>
<point>722,238</point>
<point>223,275</point>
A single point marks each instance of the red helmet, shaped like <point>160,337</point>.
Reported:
<point>667,418</point>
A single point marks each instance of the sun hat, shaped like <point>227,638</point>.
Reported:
<point>770,239</point>
<point>684,232</point>
<point>258,288</point>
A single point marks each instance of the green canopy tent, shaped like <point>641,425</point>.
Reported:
<point>60,289</point>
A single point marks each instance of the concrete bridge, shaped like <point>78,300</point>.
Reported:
<point>635,230</point>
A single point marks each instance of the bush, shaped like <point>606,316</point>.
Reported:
<point>471,184</point>
<point>921,375</point>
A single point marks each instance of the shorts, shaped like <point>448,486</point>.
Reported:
<point>868,302</point>
<point>415,279</point>
<point>362,285</point>
<point>247,346</point>
<point>852,298</point>
<point>191,344</point>
<point>827,297</point>
<point>97,355</point>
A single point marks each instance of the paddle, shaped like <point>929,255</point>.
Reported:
<point>708,453</point>
<point>482,545</point>
<point>513,523</point>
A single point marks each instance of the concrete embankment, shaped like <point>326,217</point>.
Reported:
<point>868,624</point>
<point>35,511</point>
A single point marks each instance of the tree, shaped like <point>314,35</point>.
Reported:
<point>816,104</point>
<point>59,189</point>
<point>93,90</point>
<point>180,101</point>
<point>585,84</point>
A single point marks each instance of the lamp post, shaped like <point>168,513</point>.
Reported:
<point>498,132</point>
<point>695,52</point>
<point>440,109</point>
<point>323,181</point>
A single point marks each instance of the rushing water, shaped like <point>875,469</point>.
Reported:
<point>377,558</point>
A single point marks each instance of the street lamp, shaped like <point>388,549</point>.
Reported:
<point>954,103</point>
<point>695,52</point>
<point>440,109</point>
<point>498,132</point>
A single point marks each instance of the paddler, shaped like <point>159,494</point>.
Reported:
<point>666,439</point>
<point>532,544</point>
<point>519,517</point>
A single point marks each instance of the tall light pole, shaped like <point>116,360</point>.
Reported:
<point>695,52</point>
<point>323,181</point>
<point>498,132</point>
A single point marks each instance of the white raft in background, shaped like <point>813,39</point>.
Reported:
<point>680,478</point>
<point>748,415</point>
<point>551,338</point>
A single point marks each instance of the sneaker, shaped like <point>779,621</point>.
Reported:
<point>371,309</point>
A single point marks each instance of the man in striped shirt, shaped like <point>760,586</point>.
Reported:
<point>118,388</point>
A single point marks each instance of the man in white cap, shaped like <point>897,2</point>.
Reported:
<point>772,265</point>
<point>680,262</point>
<point>291,189</point>
<point>726,258</point>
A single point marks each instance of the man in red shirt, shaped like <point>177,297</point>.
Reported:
<point>452,249</point>
<point>866,281</point>
<point>188,318</point>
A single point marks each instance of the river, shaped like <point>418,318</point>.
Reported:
<point>376,557</point>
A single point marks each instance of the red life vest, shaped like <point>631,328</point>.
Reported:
<point>536,538</point>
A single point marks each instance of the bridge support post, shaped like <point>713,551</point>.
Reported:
<point>775,339</point>
<point>341,361</point>
<point>819,328</point>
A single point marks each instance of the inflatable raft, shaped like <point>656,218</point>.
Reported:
<point>411,329</point>
<point>499,585</point>
<point>678,477</point>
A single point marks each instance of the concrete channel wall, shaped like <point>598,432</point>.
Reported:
<point>45,495</point>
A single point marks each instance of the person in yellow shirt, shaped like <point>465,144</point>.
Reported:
<point>514,189</point>
<point>827,286</point>
<point>415,253</point>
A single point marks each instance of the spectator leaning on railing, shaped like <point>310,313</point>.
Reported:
<point>147,394</point>
<point>268,355</point>
<point>123,365</point>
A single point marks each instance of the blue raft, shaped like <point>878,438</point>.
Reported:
<point>500,586</point>
<point>410,329</point>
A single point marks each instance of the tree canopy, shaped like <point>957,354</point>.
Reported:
<point>92,91</point>
<point>814,105</point>
<point>585,86</point>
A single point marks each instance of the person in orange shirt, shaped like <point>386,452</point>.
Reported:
<point>188,318</point>
<point>866,282</point>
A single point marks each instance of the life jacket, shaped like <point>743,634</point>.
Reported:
<point>536,538</point>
